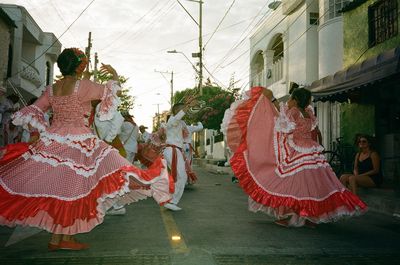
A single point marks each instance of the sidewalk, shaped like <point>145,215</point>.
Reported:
<point>382,200</point>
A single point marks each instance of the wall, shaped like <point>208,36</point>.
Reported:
<point>4,46</point>
<point>356,35</point>
<point>330,47</point>
<point>356,118</point>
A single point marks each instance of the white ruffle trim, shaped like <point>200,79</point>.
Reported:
<point>71,141</point>
<point>35,118</point>
<point>230,112</point>
<point>110,101</point>
<point>54,160</point>
<point>298,221</point>
<point>120,192</point>
<point>282,122</point>
<point>291,172</point>
<point>288,169</point>
<point>317,148</point>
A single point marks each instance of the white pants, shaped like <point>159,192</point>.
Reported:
<point>181,177</point>
<point>130,156</point>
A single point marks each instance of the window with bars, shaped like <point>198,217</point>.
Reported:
<point>382,21</point>
<point>335,6</point>
<point>314,18</point>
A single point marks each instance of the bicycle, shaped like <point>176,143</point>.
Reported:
<point>340,158</point>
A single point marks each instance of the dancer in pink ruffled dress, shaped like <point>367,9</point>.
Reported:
<point>65,182</point>
<point>280,166</point>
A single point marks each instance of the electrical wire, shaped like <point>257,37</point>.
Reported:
<point>220,22</point>
<point>57,39</point>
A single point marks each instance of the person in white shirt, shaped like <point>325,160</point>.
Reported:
<point>188,141</point>
<point>176,130</point>
<point>8,105</point>
<point>145,136</point>
<point>108,130</point>
<point>129,135</point>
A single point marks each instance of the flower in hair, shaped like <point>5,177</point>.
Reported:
<point>82,59</point>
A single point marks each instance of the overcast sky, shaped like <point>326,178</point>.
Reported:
<point>135,35</point>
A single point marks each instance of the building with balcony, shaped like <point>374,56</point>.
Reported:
<point>6,27</point>
<point>367,87</point>
<point>284,48</point>
<point>300,41</point>
<point>31,56</point>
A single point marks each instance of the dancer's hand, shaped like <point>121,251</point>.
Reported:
<point>268,93</point>
<point>108,69</point>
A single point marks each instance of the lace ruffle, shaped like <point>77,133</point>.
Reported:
<point>110,101</point>
<point>30,115</point>
<point>55,161</point>
<point>74,141</point>
<point>283,122</point>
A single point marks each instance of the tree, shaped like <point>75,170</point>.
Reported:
<point>214,102</point>
<point>127,101</point>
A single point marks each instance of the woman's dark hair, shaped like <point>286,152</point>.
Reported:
<point>67,61</point>
<point>302,97</point>
<point>369,138</point>
<point>293,86</point>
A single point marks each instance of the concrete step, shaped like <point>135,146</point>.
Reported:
<point>382,200</point>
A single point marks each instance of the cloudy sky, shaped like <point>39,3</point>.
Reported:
<point>135,35</point>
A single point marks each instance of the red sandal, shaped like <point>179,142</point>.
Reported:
<point>70,245</point>
<point>53,247</point>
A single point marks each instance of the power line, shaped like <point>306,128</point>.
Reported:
<point>156,14</point>
<point>220,22</point>
<point>130,26</point>
<point>235,46</point>
<point>281,40</point>
<point>194,39</point>
<point>57,39</point>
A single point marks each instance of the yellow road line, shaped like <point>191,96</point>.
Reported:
<point>174,235</point>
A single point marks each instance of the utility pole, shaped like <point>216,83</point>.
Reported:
<point>96,61</point>
<point>169,81</point>
<point>88,48</point>
<point>200,53</point>
<point>201,47</point>
<point>172,89</point>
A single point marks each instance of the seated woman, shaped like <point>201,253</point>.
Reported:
<point>366,171</point>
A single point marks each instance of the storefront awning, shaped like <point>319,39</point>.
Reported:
<point>356,76</point>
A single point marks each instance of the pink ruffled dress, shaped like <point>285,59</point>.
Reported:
<point>65,182</point>
<point>280,166</point>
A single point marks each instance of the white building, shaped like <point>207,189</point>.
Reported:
<point>300,41</point>
<point>32,54</point>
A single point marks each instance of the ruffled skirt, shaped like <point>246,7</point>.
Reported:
<point>66,184</point>
<point>281,179</point>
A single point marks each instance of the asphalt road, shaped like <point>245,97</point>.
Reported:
<point>215,228</point>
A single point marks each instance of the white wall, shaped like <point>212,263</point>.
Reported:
<point>30,42</point>
<point>330,47</point>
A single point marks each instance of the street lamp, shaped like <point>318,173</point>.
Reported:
<point>194,67</point>
<point>200,25</point>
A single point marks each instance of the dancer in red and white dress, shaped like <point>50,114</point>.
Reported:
<point>65,182</point>
<point>278,164</point>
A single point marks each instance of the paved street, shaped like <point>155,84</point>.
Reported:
<point>216,228</point>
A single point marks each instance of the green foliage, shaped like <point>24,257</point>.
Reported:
<point>215,101</point>
<point>127,101</point>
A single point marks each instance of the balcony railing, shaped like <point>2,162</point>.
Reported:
<point>30,73</point>
<point>274,74</point>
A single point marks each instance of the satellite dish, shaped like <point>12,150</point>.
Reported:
<point>274,5</point>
